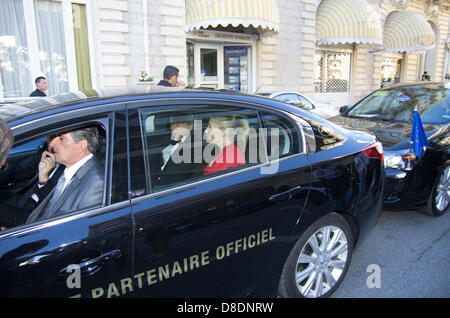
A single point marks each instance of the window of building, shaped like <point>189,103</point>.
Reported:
<point>390,70</point>
<point>332,72</point>
<point>21,193</point>
<point>43,38</point>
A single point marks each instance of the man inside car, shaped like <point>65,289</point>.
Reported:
<point>81,184</point>
<point>174,165</point>
<point>17,205</point>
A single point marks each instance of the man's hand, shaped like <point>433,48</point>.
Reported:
<point>46,165</point>
<point>181,83</point>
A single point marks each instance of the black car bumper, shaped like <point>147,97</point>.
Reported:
<point>404,190</point>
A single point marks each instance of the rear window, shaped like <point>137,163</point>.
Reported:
<point>398,104</point>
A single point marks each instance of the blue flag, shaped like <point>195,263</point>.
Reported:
<point>419,139</point>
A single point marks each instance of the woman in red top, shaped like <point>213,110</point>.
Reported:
<point>221,131</point>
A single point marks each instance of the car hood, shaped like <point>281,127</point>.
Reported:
<point>393,136</point>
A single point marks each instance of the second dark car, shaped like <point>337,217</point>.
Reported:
<point>411,183</point>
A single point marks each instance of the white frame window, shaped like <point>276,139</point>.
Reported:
<point>33,46</point>
<point>333,71</point>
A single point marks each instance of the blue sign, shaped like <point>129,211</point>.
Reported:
<point>235,51</point>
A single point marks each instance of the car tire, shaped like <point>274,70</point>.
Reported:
<point>315,267</point>
<point>438,201</point>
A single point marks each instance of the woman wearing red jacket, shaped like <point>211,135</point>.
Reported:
<point>221,131</point>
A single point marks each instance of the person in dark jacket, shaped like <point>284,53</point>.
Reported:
<point>33,179</point>
<point>81,184</point>
<point>41,87</point>
<point>170,75</point>
<point>174,165</point>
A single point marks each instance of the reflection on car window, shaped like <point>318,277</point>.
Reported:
<point>30,188</point>
<point>432,102</point>
<point>288,98</point>
<point>282,136</point>
<point>325,136</point>
<point>305,104</point>
<point>185,146</point>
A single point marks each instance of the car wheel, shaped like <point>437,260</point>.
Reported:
<point>319,260</point>
<point>438,202</point>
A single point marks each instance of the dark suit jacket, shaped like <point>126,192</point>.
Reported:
<point>27,202</point>
<point>177,172</point>
<point>19,206</point>
<point>85,190</point>
<point>164,83</point>
<point>38,93</point>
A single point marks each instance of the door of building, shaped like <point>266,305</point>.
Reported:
<point>221,66</point>
<point>208,66</point>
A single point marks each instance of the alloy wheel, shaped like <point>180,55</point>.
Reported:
<point>442,197</point>
<point>322,261</point>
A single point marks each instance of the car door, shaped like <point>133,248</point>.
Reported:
<point>217,235</point>
<point>82,254</point>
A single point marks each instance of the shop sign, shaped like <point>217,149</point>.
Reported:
<point>221,36</point>
<point>235,51</point>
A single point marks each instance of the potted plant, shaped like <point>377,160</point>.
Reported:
<point>145,78</point>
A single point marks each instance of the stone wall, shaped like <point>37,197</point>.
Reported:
<point>115,48</point>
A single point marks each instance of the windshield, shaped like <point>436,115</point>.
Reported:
<point>432,101</point>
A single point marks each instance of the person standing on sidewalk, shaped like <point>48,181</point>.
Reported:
<point>41,87</point>
<point>170,75</point>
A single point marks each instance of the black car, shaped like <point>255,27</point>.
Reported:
<point>411,183</point>
<point>291,213</point>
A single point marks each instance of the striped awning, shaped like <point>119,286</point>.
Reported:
<point>261,14</point>
<point>407,32</point>
<point>347,21</point>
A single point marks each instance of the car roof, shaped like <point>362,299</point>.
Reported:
<point>18,112</point>
<point>417,84</point>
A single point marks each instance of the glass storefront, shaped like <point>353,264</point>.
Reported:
<point>220,65</point>
<point>236,68</point>
<point>390,71</point>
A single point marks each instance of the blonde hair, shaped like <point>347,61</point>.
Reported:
<point>239,124</point>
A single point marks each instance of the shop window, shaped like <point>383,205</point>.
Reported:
<point>236,68</point>
<point>390,71</point>
<point>332,72</point>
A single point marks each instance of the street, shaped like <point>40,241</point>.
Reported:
<point>412,251</point>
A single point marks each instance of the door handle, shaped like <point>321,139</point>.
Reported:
<point>92,266</point>
<point>286,195</point>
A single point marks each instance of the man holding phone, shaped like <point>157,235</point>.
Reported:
<point>16,207</point>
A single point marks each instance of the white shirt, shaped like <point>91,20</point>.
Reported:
<point>169,150</point>
<point>69,172</point>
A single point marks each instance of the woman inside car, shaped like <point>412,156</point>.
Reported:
<point>229,134</point>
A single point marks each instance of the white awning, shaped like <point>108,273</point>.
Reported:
<point>261,14</point>
<point>406,31</point>
<point>347,21</point>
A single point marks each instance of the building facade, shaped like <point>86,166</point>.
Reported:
<point>334,51</point>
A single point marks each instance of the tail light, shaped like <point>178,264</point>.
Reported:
<point>375,151</point>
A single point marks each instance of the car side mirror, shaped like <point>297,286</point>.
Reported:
<point>344,109</point>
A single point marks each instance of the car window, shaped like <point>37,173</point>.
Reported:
<point>30,190</point>
<point>432,102</point>
<point>325,136</point>
<point>282,136</point>
<point>287,98</point>
<point>305,104</point>
<point>189,144</point>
